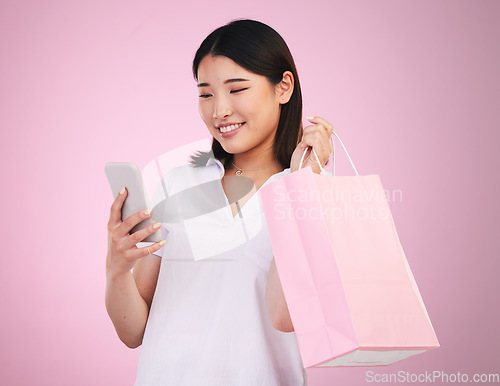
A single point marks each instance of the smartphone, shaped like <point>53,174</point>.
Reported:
<point>128,175</point>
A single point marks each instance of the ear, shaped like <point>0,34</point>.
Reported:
<point>285,87</point>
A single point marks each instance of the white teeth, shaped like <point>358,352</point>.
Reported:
<point>225,129</point>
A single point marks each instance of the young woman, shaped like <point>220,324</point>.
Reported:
<point>223,319</point>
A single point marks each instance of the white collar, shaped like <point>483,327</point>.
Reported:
<point>215,161</point>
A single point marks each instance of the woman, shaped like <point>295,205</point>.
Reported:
<point>222,319</point>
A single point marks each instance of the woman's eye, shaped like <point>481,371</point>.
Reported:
<point>205,96</point>
<point>238,90</point>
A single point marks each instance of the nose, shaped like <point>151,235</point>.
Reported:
<point>222,108</point>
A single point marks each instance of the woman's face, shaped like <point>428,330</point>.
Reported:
<point>241,109</point>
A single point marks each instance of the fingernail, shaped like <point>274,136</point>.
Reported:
<point>147,212</point>
<point>310,118</point>
<point>157,225</point>
<point>123,190</point>
<point>162,243</point>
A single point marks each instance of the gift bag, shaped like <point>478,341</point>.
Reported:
<point>350,292</point>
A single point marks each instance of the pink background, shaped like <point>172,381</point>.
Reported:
<point>412,88</point>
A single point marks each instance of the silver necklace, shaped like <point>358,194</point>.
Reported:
<point>239,171</point>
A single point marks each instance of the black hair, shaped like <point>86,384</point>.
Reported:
<point>259,49</point>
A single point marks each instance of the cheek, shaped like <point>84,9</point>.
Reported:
<point>204,110</point>
<point>254,108</point>
<point>268,105</point>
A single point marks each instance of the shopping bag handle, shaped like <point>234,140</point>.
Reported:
<point>333,156</point>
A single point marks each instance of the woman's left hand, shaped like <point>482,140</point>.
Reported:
<point>317,136</point>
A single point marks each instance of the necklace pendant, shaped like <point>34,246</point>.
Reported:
<point>238,172</point>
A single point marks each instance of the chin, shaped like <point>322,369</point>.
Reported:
<point>231,148</point>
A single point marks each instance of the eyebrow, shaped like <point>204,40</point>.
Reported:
<point>233,80</point>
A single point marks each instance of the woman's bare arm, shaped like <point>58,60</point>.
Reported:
<point>128,296</point>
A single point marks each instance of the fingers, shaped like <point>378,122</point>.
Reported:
<point>314,135</point>
<point>119,236</point>
<point>140,235</point>
<point>321,122</point>
<point>121,259</point>
<point>115,214</point>
<point>115,224</point>
<point>142,252</point>
<point>321,147</point>
<point>132,221</point>
<point>320,126</point>
<point>318,136</point>
<point>122,250</point>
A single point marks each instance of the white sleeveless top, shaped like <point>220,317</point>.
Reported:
<point>208,323</point>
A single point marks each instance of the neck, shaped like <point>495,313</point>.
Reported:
<point>257,168</point>
<point>244,162</point>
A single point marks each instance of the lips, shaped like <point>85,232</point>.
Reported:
<point>230,127</point>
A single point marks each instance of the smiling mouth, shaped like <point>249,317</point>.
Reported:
<point>227,129</point>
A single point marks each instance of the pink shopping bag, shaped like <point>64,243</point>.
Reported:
<point>351,295</point>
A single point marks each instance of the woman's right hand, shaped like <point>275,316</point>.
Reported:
<point>122,250</point>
